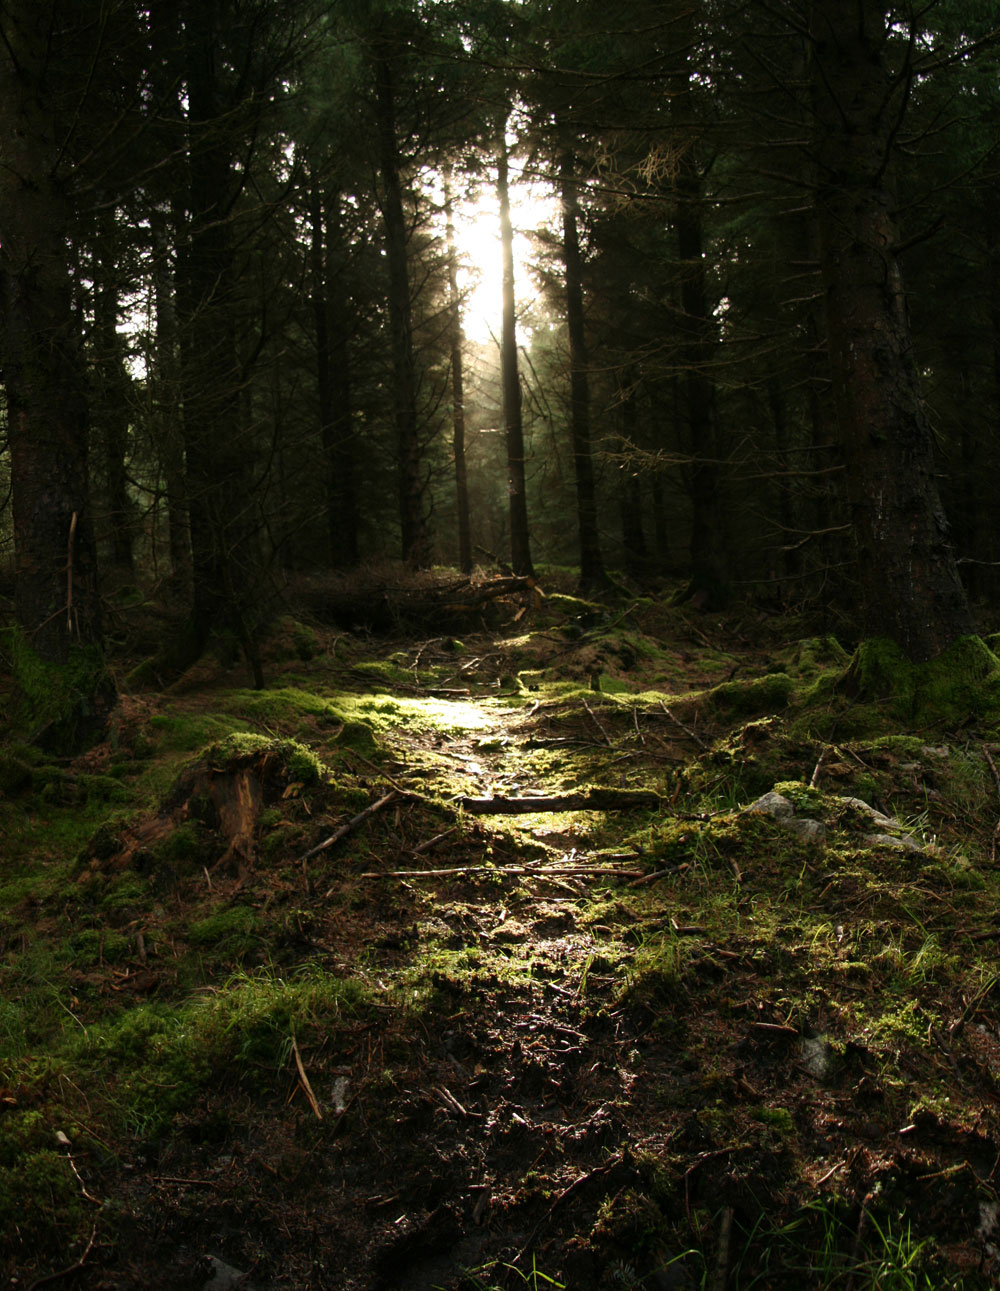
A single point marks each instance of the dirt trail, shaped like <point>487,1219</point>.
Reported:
<point>663,1049</point>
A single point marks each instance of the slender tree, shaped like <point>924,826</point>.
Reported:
<point>520,542</point>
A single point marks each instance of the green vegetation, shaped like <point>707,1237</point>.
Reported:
<point>705,1011</point>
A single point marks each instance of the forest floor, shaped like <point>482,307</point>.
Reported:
<point>284,1003</point>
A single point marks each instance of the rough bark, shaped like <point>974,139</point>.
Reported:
<point>591,562</point>
<point>111,386</point>
<point>456,342</point>
<point>909,586</point>
<point>333,380</point>
<point>708,584</point>
<point>58,659</point>
<point>412,520</point>
<point>218,442</point>
<point>520,543</point>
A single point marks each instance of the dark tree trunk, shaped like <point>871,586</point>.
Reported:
<point>111,417</point>
<point>591,563</point>
<point>218,447</point>
<point>412,521</point>
<point>709,573</point>
<point>520,544</point>
<point>333,381</point>
<point>909,585</point>
<point>456,341</point>
<point>57,601</point>
<point>164,381</point>
<point>791,555</point>
<point>633,535</point>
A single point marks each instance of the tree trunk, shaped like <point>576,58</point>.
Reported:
<point>111,384</point>
<point>909,584</point>
<point>333,381</point>
<point>412,521</point>
<point>591,563</point>
<point>457,392</point>
<point>164,382</point>
<point>633,535</point>
<point>58,659</point>
<point>520,545</point>
<point>218,447</point>
<point>709,574</point>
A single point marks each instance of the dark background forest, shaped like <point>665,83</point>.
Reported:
<point>499,691</point>
<point>232,304</point>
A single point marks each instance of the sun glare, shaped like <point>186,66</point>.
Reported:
<point>477,235</point>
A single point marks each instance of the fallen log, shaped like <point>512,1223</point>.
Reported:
<point>592,800</point>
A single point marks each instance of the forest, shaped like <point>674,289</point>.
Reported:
<point>499,653</point>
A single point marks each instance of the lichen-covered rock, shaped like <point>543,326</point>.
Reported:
<point>810,831</point>
<point>771,804</point>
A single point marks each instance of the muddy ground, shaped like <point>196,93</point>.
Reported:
<point>287,1004</point>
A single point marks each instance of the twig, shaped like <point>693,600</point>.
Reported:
<point>72,1268</point>
<point>593,800</point>
<point>562,872</point>
<point>593,718</point>
<point>578,1182</point>
<point>720,1274</point>
<point>304,1080</point>
<point>686,729</point>
<point>426,846</point>
<point>635,723</point>
<point>817,768</point>
<point>353,823</point>
<point>996,780</point>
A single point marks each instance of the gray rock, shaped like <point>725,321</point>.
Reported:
<point>876,817</point>
<point>771,804</point>
<point>223,1276</point>
<point>898,842</point>
<point>810,831</point>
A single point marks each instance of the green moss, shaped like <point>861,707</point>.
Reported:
<point>818,654</point>
<point>963,682</point>
<point>61,706</point>
<point>758,695</point>
<point>800,795</point>
<point>237,922</point>
<point>298,763</point>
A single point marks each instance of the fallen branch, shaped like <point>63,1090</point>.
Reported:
<point>686,729</point>
<point>304,1081</point>
<point>352,824</point>
<point>592,800</point>
<point>616,871</point>
<point>72,1268</point>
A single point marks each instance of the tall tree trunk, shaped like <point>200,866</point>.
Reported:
<point>633,535</point>
<point>791,557</point>
<point>909,584</point>
<point>164,380</point>
<point>456,341</point>
<point>709,573</point>
<point>520,544</point>
<point>412,520</point>
<point>333,380</point>
<point>111,385</point>
<point>591,563</point>
<point>57,601</point>
<point>218,448</point>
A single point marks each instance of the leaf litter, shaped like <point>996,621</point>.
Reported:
<point>351,1033</point>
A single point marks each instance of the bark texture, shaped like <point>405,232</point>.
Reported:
<point>57,601</point>
<point>909,585</point>
<point>520,546</point>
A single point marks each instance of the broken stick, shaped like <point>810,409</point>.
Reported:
<point>353,823</point>
<point>592,800</point>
